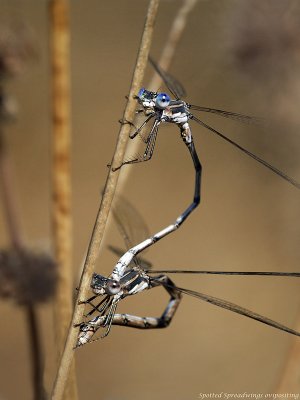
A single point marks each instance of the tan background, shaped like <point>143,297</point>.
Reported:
<point>249,219</point>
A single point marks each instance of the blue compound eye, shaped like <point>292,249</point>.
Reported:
<point>162,100</point>
<point>141,93</point>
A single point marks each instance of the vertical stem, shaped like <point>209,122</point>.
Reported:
<point>289,381</point>
<point>59,11</point>
<point>35,346</point>
<point>173,39</point>
<point>8,197</point>
<point>105,205</point>
<point>13,226</point>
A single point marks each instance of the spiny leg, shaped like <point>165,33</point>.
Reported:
<point>88,329</point>
<point>104,303</point>
<point>138,130</point>
<point>163,321</point>
<point>148,151</point>
<point>94,307</point>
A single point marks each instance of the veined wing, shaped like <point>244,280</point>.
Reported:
<point>208,272</point>
<point>172,84</point>
<point>228,114</point>
<point>277,171</point>
<point>236,309</point>
<point>132,228</point>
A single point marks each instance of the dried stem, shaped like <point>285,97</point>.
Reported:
<point>289,381</point>
<point>35,346</point>
<point>61,179</point>
<point>102,216</point>
<point>174,37</point>
<point>8,196</point>
<point>165,60</point>
<point>13,226</point>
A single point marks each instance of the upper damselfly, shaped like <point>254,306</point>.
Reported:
<point>159,108</point>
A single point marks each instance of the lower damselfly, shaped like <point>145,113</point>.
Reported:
<point>133,275</point>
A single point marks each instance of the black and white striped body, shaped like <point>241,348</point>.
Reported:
<point>178,113</point>
<point>133,282</point>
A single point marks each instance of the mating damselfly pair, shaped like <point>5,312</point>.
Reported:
<point>129,276</point>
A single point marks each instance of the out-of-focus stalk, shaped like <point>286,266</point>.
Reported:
<point>59,11</point>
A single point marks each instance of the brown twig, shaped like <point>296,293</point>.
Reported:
<point>35,346</point>
<point>173,39</point>
<point>13,226</point>
<point>8,197</point>
<point>289,381</point>
<point>28,278</point>
<point>102,216</point>
<point>61,179</point>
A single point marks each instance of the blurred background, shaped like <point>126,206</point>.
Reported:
<point>238,55</point>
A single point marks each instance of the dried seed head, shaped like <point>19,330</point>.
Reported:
<point>27,277</point>
<point>17,46</point>
<point>266,36</point>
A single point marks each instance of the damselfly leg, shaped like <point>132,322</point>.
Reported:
<point>88,329</point>
<point>150,144</point>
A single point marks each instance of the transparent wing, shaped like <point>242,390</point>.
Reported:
<point>142,151</point>
<point>172,84</point>
<point>250,154</point>
<point>131,226</point>
<point>207,272</point>
<point>229,114</point>
<point>236,309</point>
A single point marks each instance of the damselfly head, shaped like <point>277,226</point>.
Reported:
<point>146,98</point>
<point>162,100</point>
<point>101,285</point>
<point>98,284</point>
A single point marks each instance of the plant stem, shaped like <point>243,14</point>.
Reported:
<point>289,381</point>
<point>173,39</point>
<point>102,216</point>
<point>13,226</point>
<point>35,346</point>
<point>8,197</point>
<point>59,11</point>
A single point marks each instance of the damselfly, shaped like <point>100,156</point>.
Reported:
<point>159,107</point>
<point>133,275</point>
